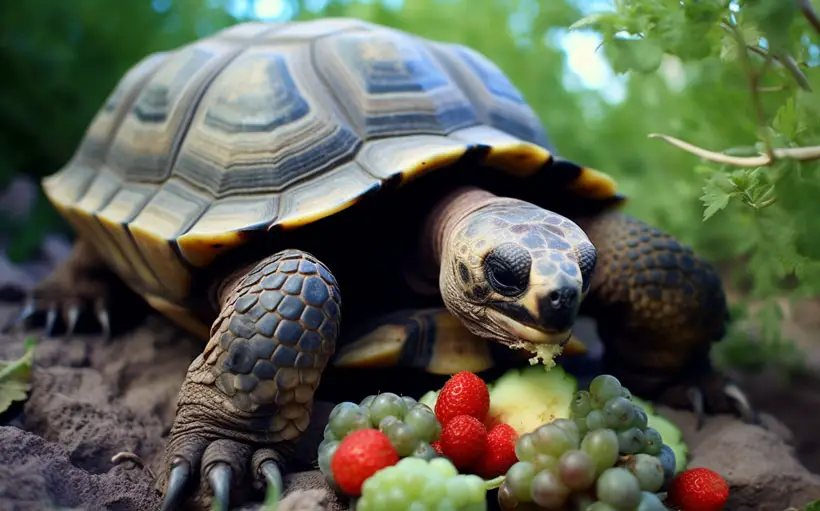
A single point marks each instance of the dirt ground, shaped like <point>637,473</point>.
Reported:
<point>92,399</point>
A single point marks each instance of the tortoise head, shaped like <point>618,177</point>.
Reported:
<point>513,272</point>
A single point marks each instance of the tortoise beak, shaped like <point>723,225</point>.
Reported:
<point>543,316</point>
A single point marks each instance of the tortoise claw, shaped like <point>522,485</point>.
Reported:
<point>51,321</point>
<point>21,318</point>
<point>219,477</point>
<point>742,405</point>
<point>273,479</point>
<point>103,318</point>
<point>177,481</point>
<point>71,316</point>
<point>695,396</point>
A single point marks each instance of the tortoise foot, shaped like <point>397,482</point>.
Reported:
<point>77,294</point>
<point>247,398</point>
<point>203,473</point>
<point>712,393</point>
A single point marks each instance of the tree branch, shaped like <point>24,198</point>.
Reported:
<point>810,15</point>
<point>810,153</point>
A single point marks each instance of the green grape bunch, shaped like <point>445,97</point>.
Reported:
<point>410,426</point>
<point>418,484</point>
<point>604,457</point>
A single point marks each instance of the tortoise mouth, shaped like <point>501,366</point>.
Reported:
<point>529,332</point>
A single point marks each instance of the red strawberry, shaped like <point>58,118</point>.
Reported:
<point>437,447</point>
<point>360,455</point>
<point>499,455</point>
<point>698,489</point>
<point>463,440</point>
<point>463,394</point>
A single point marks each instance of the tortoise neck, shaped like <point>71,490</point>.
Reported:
<point>443,219</point>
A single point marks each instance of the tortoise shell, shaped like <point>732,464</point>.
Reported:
<point>272,126</point>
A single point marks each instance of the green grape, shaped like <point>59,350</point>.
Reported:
<point>525,447</point>
<point>581,424</point>
<point>397,498</point>
<point>552,440</point>
<point>581,404</point>
<point>443,467</point>
<point>341,406</point>
<point>434,490</point>
<point>626,393</point>
<point>631,441</point>
<point>415,506</point>
<point>348,419</point>
<point>602,447</point>
<point>326,453</point>
<point>386,404</point>
<point>668,462</point>
<point>619,413</point>
<point>581,501</point>
<point>548,491</point>
<point>403,438</point>
<point>366,401</point>
<point>519,480</point>
<point>543,461</point>
<point>648,470</point>
<point>639,420</point>
<point>409,401</point>
<point>424,451</point>
<point>596,420</point>
<point>465,489</point>
<point>571,429</point>
<point>652,441</point>
<point>506,500</point>
<point>600,506</point>
<point>423,420</point>
<point>328,434</point>
<point>577,470</point>
<point>651,502</point>
<point>618,488</point>
<point>603,388</point>
<point>387,422</point>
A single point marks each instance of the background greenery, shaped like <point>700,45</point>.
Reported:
<point>687,69</point>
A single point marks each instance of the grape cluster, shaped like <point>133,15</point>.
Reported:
<point>603,458</point>
<point>410,426</point>
<point>416,483</point>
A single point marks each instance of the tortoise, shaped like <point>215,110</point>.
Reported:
<point>243,183</point>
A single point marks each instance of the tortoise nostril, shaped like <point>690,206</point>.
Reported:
<point>555,298</point>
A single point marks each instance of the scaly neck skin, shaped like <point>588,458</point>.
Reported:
<point>442,221</point>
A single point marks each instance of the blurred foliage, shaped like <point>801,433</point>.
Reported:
<point>724,76</point>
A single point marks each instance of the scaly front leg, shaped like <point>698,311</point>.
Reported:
<point>247,398</point>
<point>659,309</point>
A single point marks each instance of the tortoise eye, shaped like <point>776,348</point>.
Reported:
<point>587,258</point>
<point>507,269</point>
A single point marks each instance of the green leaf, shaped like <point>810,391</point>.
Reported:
<point>15,376</point>
<point>715,198</point>
<point>786,121</point>
<point>634,54</point>
<point>812,506</point>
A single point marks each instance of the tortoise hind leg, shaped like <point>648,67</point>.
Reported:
<point>659,309</point>
<point>81,288</point>
<point>247,398</point>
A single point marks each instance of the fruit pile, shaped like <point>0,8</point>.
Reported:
<point>407,426</point>
<point>604,457</point>
<point>543,444</point>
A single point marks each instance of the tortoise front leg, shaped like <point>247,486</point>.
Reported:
<point>659,308</point>
<point>247,398</point>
